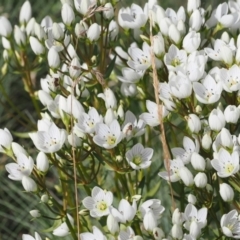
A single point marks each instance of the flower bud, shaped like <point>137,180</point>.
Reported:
<point>192,5</point>
<point>158,233</point>
<point>119,158</point>
<point>195,21</point>
<point>194,123</point>
<point>39,32</point>
<point>16,148</point>
<point>42,162</point>
<point>216,120</point>
<point>149,220</point>
<point>120,111</point>
<point>29,184</point>
<point>75,68</point>
<point>200,180</point>
<point>192,199</point>
<point>164,26</point>
<point>68,15</point>
<point>191,41</point>
<point>44,198</point>
<point>195,229</point>
<point>5,140</point>
<point>128,89</point>
<point>74,140</point>
<point>112,224</point>
<point>227,55</point>
<point>6,43</point>
<point>53,58</point>
<point>6,27</point>
<point>93,32</point>
<point>35,213</point>
<point>174,34</point>
<point>181,27</point>
<point>226,192</point>
<point>231,114</point>
<point>109,97</point>
<point>225,37</point>
<point>81,29</point>
<point>186,176</point>
<point>177,217</point>
<point>25,12</point>
<point>206,141</point>
<point>109,116</point>
<point>176,231</point>
<point>30,28</point>
<point>57,32</point>
<point>19,36</point>
<point>198,162</point>
<point>158,45</point>
<point>36,46</point>
<point>109,12</point>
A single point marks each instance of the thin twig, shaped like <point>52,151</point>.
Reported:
<point>166,153</point>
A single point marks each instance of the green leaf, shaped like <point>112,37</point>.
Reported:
<point>110,68</point>
<point>56,224</point>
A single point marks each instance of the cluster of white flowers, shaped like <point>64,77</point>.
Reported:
<point>99,120</point>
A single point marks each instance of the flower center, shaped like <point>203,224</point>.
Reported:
<point>102,206</point>
<point>229,168</point>
<point>111,140</point>
<point>137,160</point>
<point>175,62</point>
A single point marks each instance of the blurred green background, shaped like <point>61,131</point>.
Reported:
<point>14,204</point>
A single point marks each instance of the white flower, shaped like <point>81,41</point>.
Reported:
<point>230,78</point>
<point>176,231</point>
<point>5,140</point>
<point>195,219</point>
<point>151,118</point>
<point>180,86</point>
<point>226,20</point>
<point>175,58</point>
<point>125,212</point>
<point>99,203</point>
<point>231,114</point>
<point>97,234</point>
<point>133,17</point>
<point>29,237</point>
<point>226,192</point>
<point>19,36</point>
<point>128,89</point>
<point>208,91</point>
<point>151,211</point>
<point>23,167</point>
<point>63,229</point>
<point>25,12</point>
<point>158,233</point>
<point>226,164</point>
<point>87,121</point>
<point>230,224</point>
<point>130,75</point>
<point>139,157</point>
<point>192,199</point>
<point>216,120</point>
<point>108,136</point>
<point>49,137</point>
<point>140,59</point>
<point>173,174</point>
<point>109,97</point>
<point>131,127</point>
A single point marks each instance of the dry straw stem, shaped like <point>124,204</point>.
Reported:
<point>75,171</point>
<point>166,153</point>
